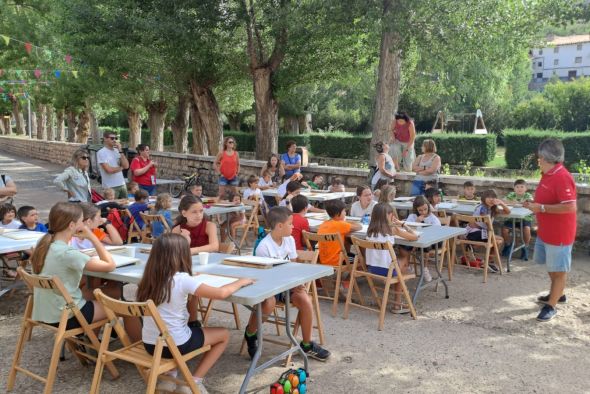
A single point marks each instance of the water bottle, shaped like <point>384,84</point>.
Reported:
<point>365,219</point>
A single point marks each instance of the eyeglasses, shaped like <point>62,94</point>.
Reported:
<point>84,157</point>
<point>231,142</point>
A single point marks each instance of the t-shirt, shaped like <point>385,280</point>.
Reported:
<point>249,192</point>
<point>481,210</point>
<point>38,227</point>
<point>430,219</point>
<point>329,251</point>
<point>112,157</point>
<point>157,227</point>
<point>300,224</point>
<point>282,189</point>
<point>358,212</point>
<point>135,209</point>
<point>379,258</point>
<point>388,165</point>
<point>146,179</point>
<point>67,263</point>
<point>263,183</point>
<point>512,196</point>
<point>290,161</point>
<point>14,224</point>
<point>269,248</point>
<point>174,312</point>
<point>83,243</point>
<point>557,186</point>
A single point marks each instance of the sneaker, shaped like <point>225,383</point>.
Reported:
<point>427,276</point>
<point>167,386</point>
<point>547,313</point>
<point>545,299</point>
<point>524,255</point>
<point>315,351</point>
<point>187,390</point>
<point>493,269</point>
<point>252,342</point>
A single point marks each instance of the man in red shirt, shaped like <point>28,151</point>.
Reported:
<point>555,209</point>
<point>144,170</point>
<point>299,205</point>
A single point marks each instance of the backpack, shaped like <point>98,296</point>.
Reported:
<point>259,237</point>
<point>96,197</point>
<point>116,220</point>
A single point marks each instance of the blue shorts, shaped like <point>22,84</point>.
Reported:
<point>229,182</point>
<point>150,189</point>
<point>380,271</point>
<point>526,223</point>
<point>557,258</point>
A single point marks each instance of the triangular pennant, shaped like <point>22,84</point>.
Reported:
<point>47,53</point>
<point>5,38</point>
<point>68,58</point>
<point>57,73</point>
<point>75,73</point>
<point>125,75</point>
<point>28,47</point>
<point>100,71</point>
<point>37,73</point>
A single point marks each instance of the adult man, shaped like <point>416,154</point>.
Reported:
<point>555,208</point>
<point>7,188</point>
<point>112,162</point>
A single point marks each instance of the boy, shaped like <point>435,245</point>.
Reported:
<point>317,182</point>
<point>252,192</point>
<point>29,217</point>
<point>431,184</point>
<point>337,186</point>
<point>468,191</point>
<point>280,244</point>
<point>108,203</point>
<point>329,251</point>
<point>140,205</point>
<point>265,181</point>
<point>300,223</point>
<point>132,187</point>
<point>196,190</point>
<point>519,195</point>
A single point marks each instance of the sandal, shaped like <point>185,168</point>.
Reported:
<point>400,309</point>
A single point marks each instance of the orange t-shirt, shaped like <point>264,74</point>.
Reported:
<point>329,251</point>
<point>100,234</point>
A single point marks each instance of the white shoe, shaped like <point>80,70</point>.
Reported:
<point>427,276</point>
<point>187,390</point>
<point>166,385</point>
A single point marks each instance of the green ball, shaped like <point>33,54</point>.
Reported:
<point>287,386</point>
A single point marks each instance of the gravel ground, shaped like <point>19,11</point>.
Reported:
<point>483,339</point>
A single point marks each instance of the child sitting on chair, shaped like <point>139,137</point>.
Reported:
<point>252,192</point>
<point>140,205</point>
<point>132,187</point>
<point>468,191</point>
<point>29,218</point>
<point>162,207</point>
<point>8,217</point>
<point>100,227</point>
<point>337,186</point>
<point>519,195</point>
<point>235,219</point>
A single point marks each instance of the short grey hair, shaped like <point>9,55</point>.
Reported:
<point>552,151</point>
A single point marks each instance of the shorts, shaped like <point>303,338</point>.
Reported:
<point>476,237</point>
<point>88,313</point>
<point>380,271</point>
<point>557,258</point>
<point>151,189</point>
<point>196,341</point>
<point>223,181</point>
<point>120,192</point>
<point>526,223</point>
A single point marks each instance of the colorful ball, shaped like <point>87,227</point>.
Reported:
<point>302,375</point>
<point>287,386</point>
<point>294,379</point>
<point>302,388</point>
<point>295,391</point>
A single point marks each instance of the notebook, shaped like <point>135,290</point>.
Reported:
<point>417,224</point>
<point>446,205</point>
<point>254,261</point>
<point>216,280</point>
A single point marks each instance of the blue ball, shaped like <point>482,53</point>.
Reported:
<point>302,375</point>
<point>302,388</point>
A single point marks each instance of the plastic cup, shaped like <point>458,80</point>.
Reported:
<point>203,258</point>
<point>131,251</point>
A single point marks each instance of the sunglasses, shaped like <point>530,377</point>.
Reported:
<point>112,137</point>
<point>84,157</point>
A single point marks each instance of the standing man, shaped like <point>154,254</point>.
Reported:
<point>112,162</point>
<point>555,208</point>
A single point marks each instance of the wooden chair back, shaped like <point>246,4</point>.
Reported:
<point>133,228</point>
<point>149,220</point>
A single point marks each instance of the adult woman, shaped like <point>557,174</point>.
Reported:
<point>144,169</point>
<point>227,165</point>
<point>291,160</point>
<point>74,180</point>
<point>385,165</point>
<point>426,166</point>
<point>275,166</point>
<point>403,134</point>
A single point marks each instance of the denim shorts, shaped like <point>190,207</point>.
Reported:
<point>557,258</point>
<point>229,182</point>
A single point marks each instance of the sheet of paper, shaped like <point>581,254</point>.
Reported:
<point>216,280</point>
<point>24,234</point>
<point>257,260</point>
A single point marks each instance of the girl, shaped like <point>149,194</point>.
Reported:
<point>227,165</point>
<point>162,207</point>
<point>365,204</point>
<point>337,186</point>
<point>275,167</point>
<point>377,189</point>
<point>74,181</point>
<point>478,231</point>
<point>383,228</point>
<point>168,281</point>
<point>426,166</point>
<point>104,231</point>
<point>235,219</point>
<point>423,214</point>
<point>387,194</point>
<point>385,166</point>
<point>8,217</point>
<point>434,198</point>
<point>294,189</point>
<point>194,226</point>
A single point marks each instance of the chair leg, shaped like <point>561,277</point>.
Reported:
<point>336,292</point>
<point>24,332</point>
<point>383,305</point>
<point>153,376</point>
<point>498,260</point>
<point>408,299</point>
<point>53,363</point>
<point>100,360</point>
<point>236,316</point>
<point>276,320</point>
<point>486,263</point>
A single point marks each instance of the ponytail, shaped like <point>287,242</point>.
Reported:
<point>40,252</point>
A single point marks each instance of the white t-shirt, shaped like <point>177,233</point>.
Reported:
<point>263,183</point>
<point>249,192</point>
<point>7,178</point>
<point>379,258</point>
<point>81,243</point>
<point>357,211</point>
<point>112,157</point>
<point>15,224</point>
<point>430,219</point>
<point>269,248</point>
<point>283,188</point>
<point>173,313</point>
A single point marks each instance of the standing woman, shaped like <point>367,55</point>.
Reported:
<point>403,134</point>
<point>385,166</point>
<point>74,181</point>
<point>426,166</point>
<point>144,169</point>
<point>275,167</point>
<point>227,165</point>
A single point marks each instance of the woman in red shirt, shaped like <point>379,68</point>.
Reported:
<point>227,165</point>
<point>194,226</point>
<point>144,170</point>
<point>403,134</point>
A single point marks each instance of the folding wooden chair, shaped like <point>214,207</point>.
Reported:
<point>488,246</point>
<point>71,337</point>
<point>360,270</point>
<point>134,231</point>
<point>251,225</point>
<point>445,254</point>
<point>149,220</point>
<point>343,267</point>
<point>149,366</point>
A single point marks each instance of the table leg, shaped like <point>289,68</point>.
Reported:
<point>512,248</point>
<point>252,368</point>
<point>421,280</point>
<point>438,272</point>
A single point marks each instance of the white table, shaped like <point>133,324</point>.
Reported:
<point>268,283</point>
<point>313,195</point>
<point>9,245</point>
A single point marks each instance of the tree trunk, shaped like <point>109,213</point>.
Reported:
<point>134,121</point>
<point>179,125</point>
<point>235,121</point>
<point>156,119</point>
<point>50,128</point>
<point>388,84</point>
<point>33,124</point>
<point>199,138</point>
<point>60,125</point>
<point>6,127</point>
<point>210,117</point>
<point>305,123</point>
<point>94,130</point>
<point>291,125</point>
<point>42,122</point>
<point>72,125</point>
<point>267,114</point>
<point>83,129</point>
<point>18,117</point>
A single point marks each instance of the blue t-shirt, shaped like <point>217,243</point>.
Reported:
<point>157,227</point>
<point>38,227</point>
<point>135,209</point>
<point>289,161</point>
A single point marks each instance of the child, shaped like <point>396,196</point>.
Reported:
<point>8,217</point>
<point>297,177</point>
<point>294,189</point>
<point>519,195</point>
<point>387,194</point>
<point>317,182</point>
<point>108,203</point>
<point>132,187</point>
<point>422,213</point>
<point>252,192</point>
<point>383,228</point>
<point>140,205</point>
<point>91,219</point>
<point>377,190</point>
<point>299,206</point>
<point>29,218</point>
<point>195,190</point>
<point>194,226</point>
<point>468,192</point>
<point>280,244</point>
<point>431,184</point>
<point>265,181</point>
<point>168,281</point>
<point>434,198</point>
<point>108,194</point>
<point>162,207</point>
<point>478,231</point>
<point>337,186</point>
<point>235,219</point>
<point>329,251</point>
<point>365,204</point>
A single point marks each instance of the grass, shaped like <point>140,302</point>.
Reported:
<point>500,159</point>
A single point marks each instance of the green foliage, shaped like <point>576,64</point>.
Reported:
<point>340,145</point>
<point>538,113</point>
<point>459,148</point>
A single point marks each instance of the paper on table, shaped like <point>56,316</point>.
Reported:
<point>417,224</point>
<point>446,205</point>
<point>402,199</point>
<point>216,280</point>
<point>259,260</point>
<point>24,234</point>
<point>8,230</point>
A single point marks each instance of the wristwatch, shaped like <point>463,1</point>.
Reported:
<point>543,208</point>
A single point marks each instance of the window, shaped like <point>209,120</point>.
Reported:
<point>540,51</point>
<point>540,64</point>
<point>556,62</point>
<point>579,47</point>
<point>572,74</point>
<point>579,59</point>
<point>556,50</point>
<point>539,75</point>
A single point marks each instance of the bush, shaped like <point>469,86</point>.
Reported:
<point>538,113</point>
<point>459,148</point>
<point>340,145</point>
<point>521,146</point>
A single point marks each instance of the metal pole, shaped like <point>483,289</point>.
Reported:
<point>29,116</point>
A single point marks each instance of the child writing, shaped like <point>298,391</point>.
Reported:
<point>468,191</point>
<point>434,198</point>
<point>162,207</point>
<point>280,244</point>
<point>8,217</point>
<point>140,205</point>
<point>104,231</point>
<point>194,226</point>
<point>168,281</point>
<point>365,204</point>
<point>337,186</point>
<point>329,251</point>
<point>235,219</point>
<point>299,206</point>
<point>252,192</point>
<point>519,195</point>
<point>422,213</point>
<point>29,218</point>
<point>294,189</point>
<point>384,228</point>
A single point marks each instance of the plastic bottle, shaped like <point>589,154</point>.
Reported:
<point>365,219</point>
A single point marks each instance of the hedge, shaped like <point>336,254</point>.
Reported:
<point>521,146</point>
<point>459,148</point>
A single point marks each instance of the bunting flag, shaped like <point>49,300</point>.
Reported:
<point>57,73</point>
<point>75,73</point>
<point>5,38</point>
<point>38,73</point>
<point>68,59</point>
<point>28,47</point>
